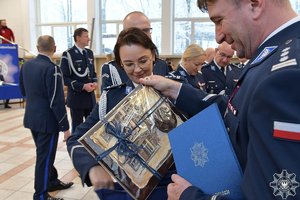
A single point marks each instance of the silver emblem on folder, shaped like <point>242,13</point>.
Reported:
<point>284,184</point>
<point>199,154</point>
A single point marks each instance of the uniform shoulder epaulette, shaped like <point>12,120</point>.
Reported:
<point>235,65</point>
<point>205,65</point>
<point>69,49</point>
<point>174,77</point>
<point>114,86</point>
<point>111,62</point>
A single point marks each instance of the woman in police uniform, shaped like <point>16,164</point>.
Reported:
<point>136,53</point>
<point>190,65</point>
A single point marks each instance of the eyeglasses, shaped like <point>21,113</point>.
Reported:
<point>141,63</point>
<point>147,30</point>
<point>223,55</point>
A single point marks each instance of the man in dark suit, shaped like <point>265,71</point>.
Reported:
<point>45,115</point>
<point>112,74</point>
<point>77,65</point>
<point>220,75</point>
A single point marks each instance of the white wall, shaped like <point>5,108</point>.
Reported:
<point>16,12</point>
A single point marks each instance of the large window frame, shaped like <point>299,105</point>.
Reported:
<point>166,35</point>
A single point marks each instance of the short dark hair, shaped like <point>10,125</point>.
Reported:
<point>78,32</point>
<point>202,4</point>
<point>133,36</point>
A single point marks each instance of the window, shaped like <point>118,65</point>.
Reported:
<point>113,13</point>
<point>191,26</point>
<point>175,23</point>
<point>60,18</point>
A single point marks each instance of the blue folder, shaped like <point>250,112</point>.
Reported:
<point>204,155</point>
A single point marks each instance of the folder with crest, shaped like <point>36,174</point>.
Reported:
<point>204,155</point>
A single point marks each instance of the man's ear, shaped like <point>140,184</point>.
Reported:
<point>257,7</point>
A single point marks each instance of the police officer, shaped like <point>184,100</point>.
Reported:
<point>45,115</point>
<point>136,53</point>
<point>192,59</point>
<point>77,65</point>
<point>262,116</point>
<point>114,75</point>
<point>220,75</point>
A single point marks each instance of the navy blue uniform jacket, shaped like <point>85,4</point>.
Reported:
<point>82,160</point>
<point>196,81</point>
<point>41,83</point>
<point>77,72</point>
<point>263,118</point>
<point>216,81</point>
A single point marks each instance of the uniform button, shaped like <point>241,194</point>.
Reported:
<point>228,129</point>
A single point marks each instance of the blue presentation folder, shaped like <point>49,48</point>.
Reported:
<point>204,155</point>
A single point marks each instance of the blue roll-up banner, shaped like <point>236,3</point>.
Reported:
<point>9,63</point>
<point>10,71</point>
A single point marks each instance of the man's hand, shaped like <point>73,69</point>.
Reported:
<point>167,87</point>
<point>95,85</point>
<point>89,87</point>
<point>67,134</point>
<point>176,188</point>
<point>100,179</point>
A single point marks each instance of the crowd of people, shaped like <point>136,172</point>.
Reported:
<point>258,100</point>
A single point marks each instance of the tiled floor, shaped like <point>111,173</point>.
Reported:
<point>17,160</point>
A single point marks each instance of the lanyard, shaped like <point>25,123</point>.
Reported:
<point>229,105</point>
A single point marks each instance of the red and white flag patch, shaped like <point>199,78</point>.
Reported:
<point>285,130</point>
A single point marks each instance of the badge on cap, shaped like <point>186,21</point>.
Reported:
<point>263,54</point>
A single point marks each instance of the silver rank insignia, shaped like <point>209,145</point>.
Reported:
<point>284,184</point>
<point>182,73</point>
<point>199,154</point>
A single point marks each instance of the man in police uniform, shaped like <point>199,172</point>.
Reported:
<point>45,115</point>
<point>77,65</point>
<point>262,116</point>
<point>220,75</point>
<point>112,74</point>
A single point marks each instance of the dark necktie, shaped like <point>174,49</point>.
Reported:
<point>84,58</point>
<point>223,70</point>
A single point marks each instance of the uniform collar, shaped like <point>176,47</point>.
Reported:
<point>80,49</point>
<point>220,66</point>
<point>42,54</point>
<point>184,69</point>
<point>280,28</point>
